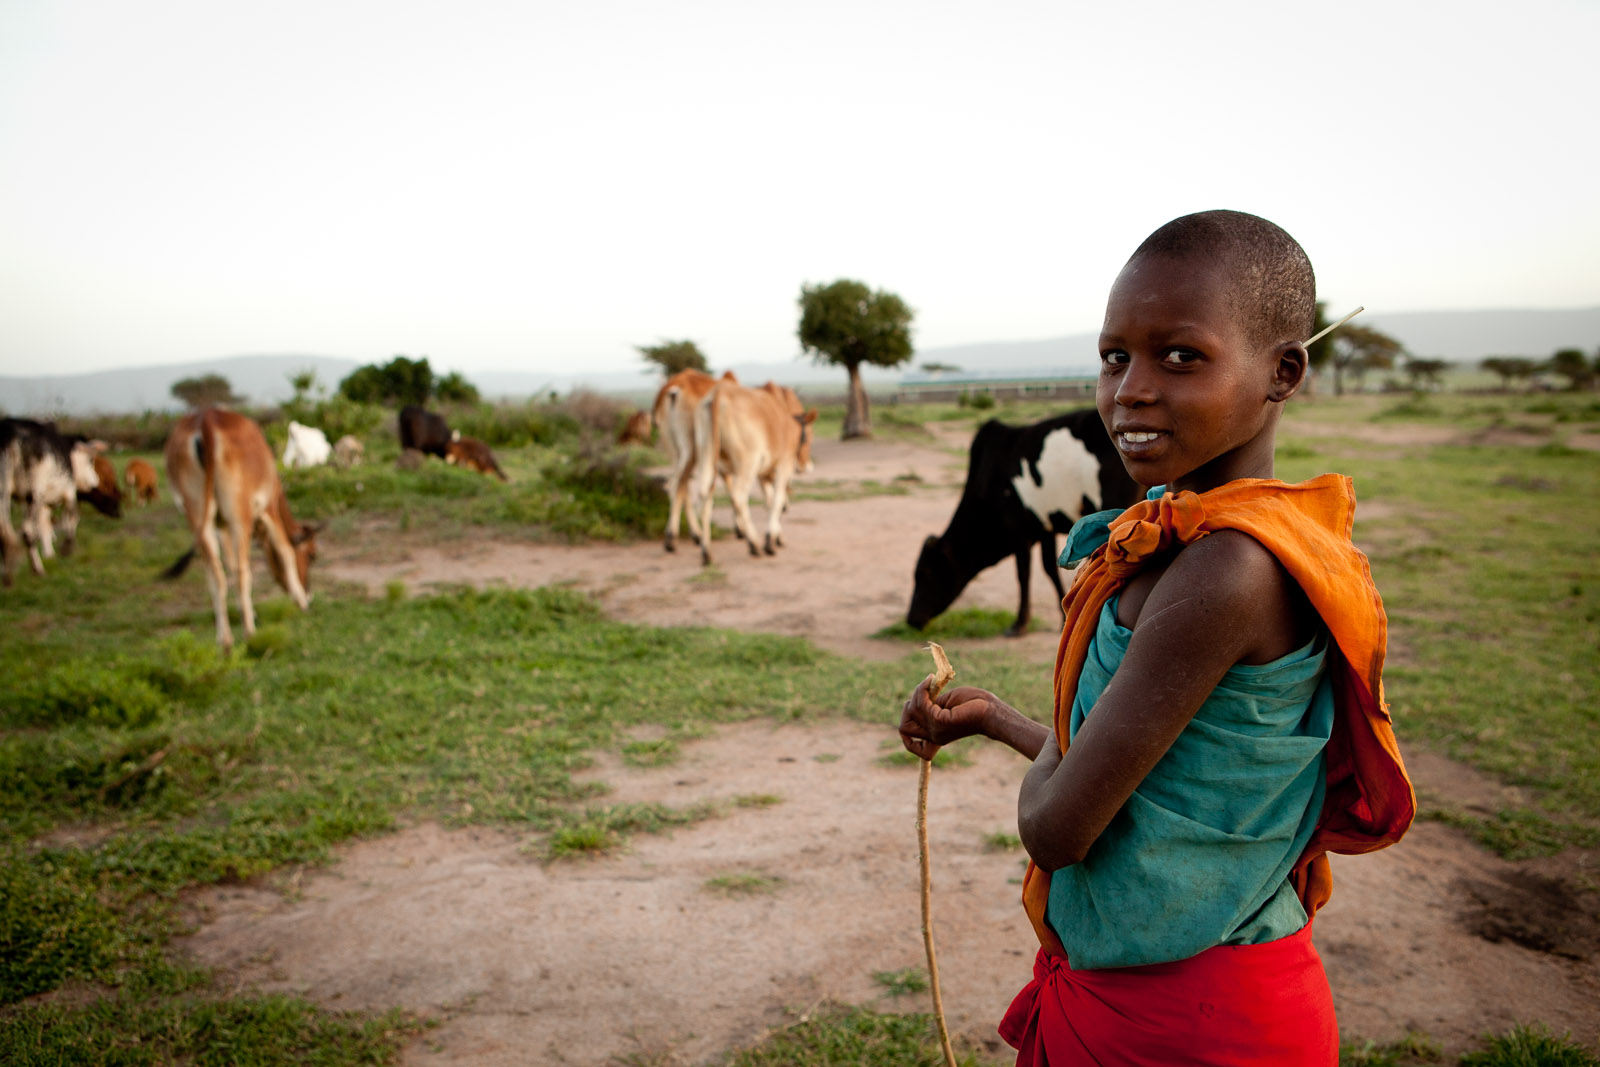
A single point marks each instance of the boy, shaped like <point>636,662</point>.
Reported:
<point>1219,722</point>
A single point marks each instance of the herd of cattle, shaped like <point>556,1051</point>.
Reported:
<point>1024,486</point>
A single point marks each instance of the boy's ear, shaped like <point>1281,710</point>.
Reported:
<point>1288,371</point>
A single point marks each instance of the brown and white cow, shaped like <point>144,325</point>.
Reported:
<point>749,436</point>
<point>472,454</point>
<point>223,477</point>
<point>106,498</point>
<point>673,413</point>
<point>140,478</point>
<point>40,468</point>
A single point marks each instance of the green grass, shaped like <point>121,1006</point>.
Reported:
<point>1002,841</point>
<point>744,884</point>
<point>902,982</point>
<point>964,623</point>
<point>837,1035</point>
<point>1531,1046</point>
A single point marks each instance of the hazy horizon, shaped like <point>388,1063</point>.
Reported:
<point>499,186</point>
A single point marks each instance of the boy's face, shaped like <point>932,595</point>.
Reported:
<point>1187,399</point>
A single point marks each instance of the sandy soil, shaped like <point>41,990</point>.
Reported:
<point>636,955</point>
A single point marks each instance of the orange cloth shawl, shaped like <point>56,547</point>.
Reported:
<point>1369,802</point>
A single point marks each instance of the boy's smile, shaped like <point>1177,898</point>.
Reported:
<point>1188,400</point>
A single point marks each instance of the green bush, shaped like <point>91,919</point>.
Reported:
<point>132,691</point>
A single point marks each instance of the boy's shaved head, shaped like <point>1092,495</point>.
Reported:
<point>1274,289</point>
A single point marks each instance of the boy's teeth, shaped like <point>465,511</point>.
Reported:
<point>1139,438</point>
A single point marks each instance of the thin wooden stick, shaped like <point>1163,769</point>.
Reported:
<point>943,672</point>
<point>1326,330</point>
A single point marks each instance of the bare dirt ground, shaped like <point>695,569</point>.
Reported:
<point>639,958</point>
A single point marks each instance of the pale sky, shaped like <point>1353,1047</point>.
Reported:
<point>542,186</point>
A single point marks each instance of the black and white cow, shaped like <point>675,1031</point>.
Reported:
<point>424,431</point>
<point>1025,484</point>
<point>40,468</point>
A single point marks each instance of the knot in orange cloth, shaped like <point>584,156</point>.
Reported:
<point>1369,802</point>
<point>1153,528</point>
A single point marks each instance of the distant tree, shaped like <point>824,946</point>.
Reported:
<point>1425,372</point>
<point>940,368</point>
<point>1359,349</point>
<point>206,391</point>
<point>847,324</point>
<point>455,389</point>
<point>1574,366</point>
<point>674,356</point>
<point>1511,368</point>
<point>399,381</point>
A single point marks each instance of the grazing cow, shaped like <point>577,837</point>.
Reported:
<point>307,447</point>
<point>750,435</point>
<point>473,455</point>
<point>1025,484</point>
<point>106,498</point>
<point>348,451</point>
<point>141,479</point>
<point>637,431</point>
<point>222,476</point>
<point>424,431</point>
<point>41,468</point>
<point>673,413</point>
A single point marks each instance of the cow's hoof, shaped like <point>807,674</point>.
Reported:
<point>754,551</point>
<point>705,559</point>
<point>1018,628</point>
<point>768,548</point>
<point>670,544</point>
<point>739,534</point>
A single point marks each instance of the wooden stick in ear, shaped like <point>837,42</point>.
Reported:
<point>1326,330</point>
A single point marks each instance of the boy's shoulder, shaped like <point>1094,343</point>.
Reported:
<point>1242,589</point>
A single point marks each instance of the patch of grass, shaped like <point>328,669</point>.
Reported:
<point>1518,835</point>
<point>1001,841</point>
<point>837,1035</point>
<point>1531,1046</point>
<point>962,623</point>
<point>657,753</point>
<point>945,757</point>
<point>602,830</point>
<point>1413,1050</point>
<point>250,1031</point>
<point>394,591</point>
<point>756,800</point>
<point>902,982</point>
<point>268,640</point>
<point>744,884</point>
<point>827,757</point>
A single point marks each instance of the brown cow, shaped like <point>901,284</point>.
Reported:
<point>106,498</point>
<point>473,455</point>
<point>673,413</point>
<point>141,479</point>
<point>222,472</point>
<point>637,431</point>
<point>750,435</point>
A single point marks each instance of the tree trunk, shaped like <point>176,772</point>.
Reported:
<point>857,419</point>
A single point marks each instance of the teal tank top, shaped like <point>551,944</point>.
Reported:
<point>1200,854</point>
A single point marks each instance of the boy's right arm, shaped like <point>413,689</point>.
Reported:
<point>928,725</point>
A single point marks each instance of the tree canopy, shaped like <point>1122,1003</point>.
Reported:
<point>1358,349</point>
<point>399,381</point>
<point>845,323</point>
<point>453,388</point>
<point>205,391</point>
<point>674,356</point>
<point>1573,365</point>
<point>1511,368</point>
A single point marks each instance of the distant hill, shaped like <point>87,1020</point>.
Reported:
<point>1458,336</point>
<point>259,379</point>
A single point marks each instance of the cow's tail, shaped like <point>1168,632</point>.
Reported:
<point>178,567</point>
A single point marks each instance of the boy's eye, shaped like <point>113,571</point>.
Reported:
<point>1114,357</point>
<point>1180,355</point>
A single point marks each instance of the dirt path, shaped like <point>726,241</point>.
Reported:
<point>636,955</point>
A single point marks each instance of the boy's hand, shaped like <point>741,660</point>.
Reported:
<point>928,725</point>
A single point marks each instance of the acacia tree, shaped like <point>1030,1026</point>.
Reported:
<point>1573,365</point>
<point>1358,349</point>
<point>205,391</point>
<point>399,381</point>
<point>847,324</point>
<point>1511,368</point>
<point>1425,372</point>
<point>674,356</point>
